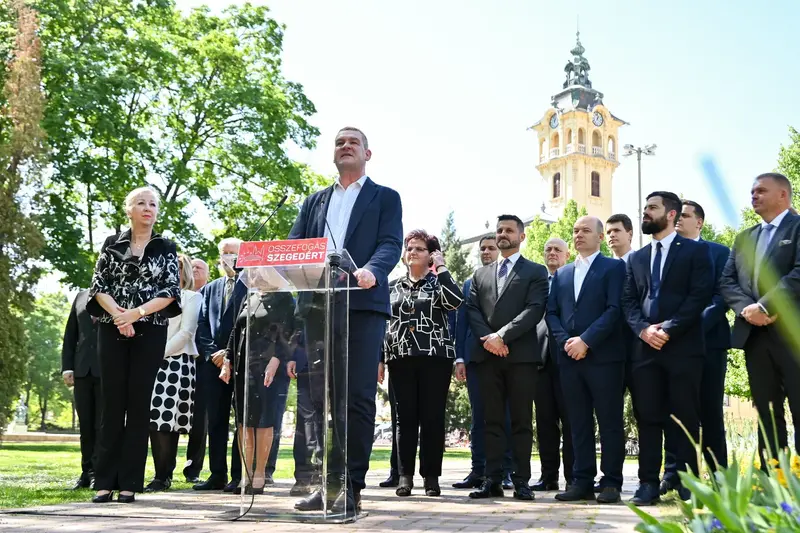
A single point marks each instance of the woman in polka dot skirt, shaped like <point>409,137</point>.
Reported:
<point>172,402</point>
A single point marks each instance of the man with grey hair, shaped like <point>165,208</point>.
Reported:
<point>551,412</point>
<point>200,273</point>
<point>221,300</point>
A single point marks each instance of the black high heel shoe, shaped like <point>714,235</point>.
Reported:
<point>406,484</point>
<point>103,498</point>
<point>130,498</point>
<point>432,487</point>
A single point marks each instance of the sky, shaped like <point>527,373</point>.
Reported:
<point>446,90</point>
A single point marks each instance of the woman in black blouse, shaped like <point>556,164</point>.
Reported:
<point>419,352</point>
<point>134,291</point>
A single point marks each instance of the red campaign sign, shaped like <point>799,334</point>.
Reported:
<point>282,253</point>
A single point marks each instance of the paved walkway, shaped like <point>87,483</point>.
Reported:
<point>190,512</point>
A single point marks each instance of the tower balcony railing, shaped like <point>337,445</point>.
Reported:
<point>570,148</point>
<point>612,156</point>
<point>542,158</point>
<point>597,150</point>
<point>581,148</point>
<point>554,152</point>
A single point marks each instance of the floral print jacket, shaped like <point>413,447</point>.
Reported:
<point>133,281</point>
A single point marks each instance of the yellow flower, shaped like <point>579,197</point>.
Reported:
<point>796,463</point>
<point>773,462</point>
<point>781,477</point>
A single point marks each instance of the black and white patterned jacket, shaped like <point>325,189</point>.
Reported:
<point>133,282</point>
<point>419,323</point>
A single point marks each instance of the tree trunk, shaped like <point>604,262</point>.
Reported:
<point>42,427</point>
<point>89,224</point>
<point>27,402</point>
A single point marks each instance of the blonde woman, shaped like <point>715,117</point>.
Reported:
<point>172,402</point>
<point>134,292</point>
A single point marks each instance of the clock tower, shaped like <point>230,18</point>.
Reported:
<point>578,143</point>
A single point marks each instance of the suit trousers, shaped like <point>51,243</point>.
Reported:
<point>774,375</point>
<point>552,423</point>
<point>196,448</point>
<point>513,384</point>
<point>596,389</point>
<point>128,368</point>
<point>663,386</point>
<point>393,459</point>
<point>308,439</point>
<point>420,385</point>
<point>164,449</point>
<point>219,397</point>
<point>712,417</point>
<point>89,405</point>
<point>477,428</point>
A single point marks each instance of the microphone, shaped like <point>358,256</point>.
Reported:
<point>274,211</point>
<point>334,258</point>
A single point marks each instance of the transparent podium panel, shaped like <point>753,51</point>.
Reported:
<point>294,327</point>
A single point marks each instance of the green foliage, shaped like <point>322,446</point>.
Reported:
<point>539,232</point>
<point>456,257</point>
<point>44,332</point>
<point>193,104</point>
<point>789,163</point>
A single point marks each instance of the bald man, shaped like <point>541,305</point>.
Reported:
<point>584,318</point>
<point>551,412</point>
<point>200,273</point>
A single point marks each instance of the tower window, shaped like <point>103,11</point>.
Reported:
<point>596,184</point>
<point>557,185</point>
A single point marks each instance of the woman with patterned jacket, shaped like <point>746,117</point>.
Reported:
<point>419,352</point>
<point>134,293</point>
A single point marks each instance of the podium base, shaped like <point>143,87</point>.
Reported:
<point>313,517</point>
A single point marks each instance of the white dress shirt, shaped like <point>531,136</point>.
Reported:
<point>776,222</point>
<point>582,266</point>
<point>666,242</point>
<point>626,256</point>
<point>181,329</point>
<point>501,282</point>
<point>339,210</point>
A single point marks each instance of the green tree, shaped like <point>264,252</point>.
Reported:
<point>22,148</point>
<point>456,257</point>
<point>193,104</point>
<point>44,331</point>
<point>789,163</point>
<point>539,232</point>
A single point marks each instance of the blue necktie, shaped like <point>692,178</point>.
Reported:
<point>655,282</point>
<point>501,273</point>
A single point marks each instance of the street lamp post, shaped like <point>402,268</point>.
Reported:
<point>649,149</point>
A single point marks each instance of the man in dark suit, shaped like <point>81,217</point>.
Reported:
<point>364,218</point>
<point>222,299</point>
<point>667,287</point>
<point>551,411</point>
<point>196,447</point>
<point>507,300</point>
<point>583,312</point>
<point>465,345</point>
<point>80,369</point>
<point>761,283</point>
<point>715,363</point>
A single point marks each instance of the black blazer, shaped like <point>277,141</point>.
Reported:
<point>782,256</point>
<point>687,285</point>
<point>715,319</point>
<point>79,349</point>
<point>514,313</point>
<point>594,316</point>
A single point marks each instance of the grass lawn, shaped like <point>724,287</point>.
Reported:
<point>34,474</point>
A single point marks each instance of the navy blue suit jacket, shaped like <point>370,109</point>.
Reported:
<point>715,320</point>
<point>374,237</point>
<point>465,341</point>
<point>594,316</point>
<point>687,285</point>
<point>215,324</point>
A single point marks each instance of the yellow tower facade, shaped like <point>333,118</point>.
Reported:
<point>578,143</point>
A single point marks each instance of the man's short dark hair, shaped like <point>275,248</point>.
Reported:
<point>671,201</point>
<point>698,209</point>
<point>487,238</point>
<point>624,219</point>
<point>778,178</point>
<point>515,218</point>
<point>363,137</point>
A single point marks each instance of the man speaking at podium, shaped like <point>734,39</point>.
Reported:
<point>366,219</point>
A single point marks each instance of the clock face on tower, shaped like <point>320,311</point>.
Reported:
<point>554,121</point>
<point>597,119</point>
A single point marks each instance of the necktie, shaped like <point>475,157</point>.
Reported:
<point>655,282</point>
<point>764,238</point>
<point>501,273</point>
<point>228,292</point>
<point>549,282</point>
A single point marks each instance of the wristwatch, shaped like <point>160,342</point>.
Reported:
<point>142,312</point>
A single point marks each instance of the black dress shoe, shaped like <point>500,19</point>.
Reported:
<point>576,494</point>
<point>684,493</point>
<point>646,494</point>
<point>508,484</point>
<point>268,480</point>
<point>232,486</point>
<point>488,489</point>
<point>523,492</point>
<point>103,498</point>
<point>83,482</point>
<point>300,489</point>
<point>126,498</point>
<point>347,502</point>
<point>432,487</point>
<point>158,486</point>
<point>193,480</point>
<point>211,483</point>
<point>667,485</point>
<point>391,481</point>
<point>404,486</point>
<point>472,481</point>
<point>544,486</point>
<point>313,502</point>
<point>608,495</point>
<point>598,488</point>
